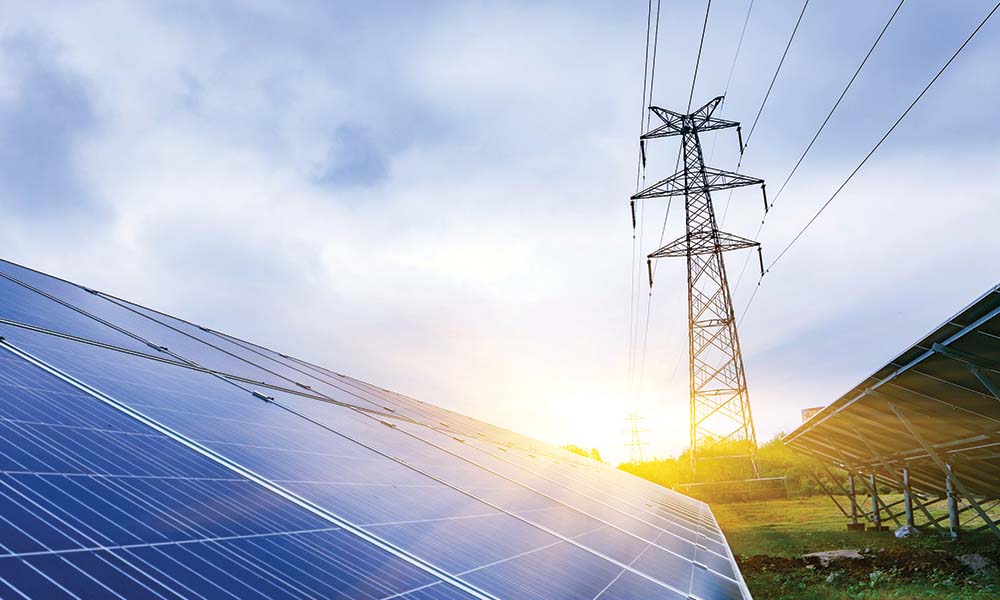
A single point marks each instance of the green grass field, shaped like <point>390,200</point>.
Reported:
<point>768,537</point>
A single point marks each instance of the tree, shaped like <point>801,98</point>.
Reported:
<point>594,453</point>
<point>775,460</point>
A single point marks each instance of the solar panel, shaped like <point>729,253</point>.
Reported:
<point>93,503</point>
<point>454,507</point>
<point>940,398</point>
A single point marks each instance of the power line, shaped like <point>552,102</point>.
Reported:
<point>739,45</point>
<point>652,72</point>
<point>697,62</point>
<point>729,78</point>
<point>649,295</point>
<point>872,151</point>
<point>822,126</point>
<point>776,71</point>
<point>666,216</point>
<point>633,278</point>
<point>839,99</point>
<point>886,135</point>
<point>753,127</point>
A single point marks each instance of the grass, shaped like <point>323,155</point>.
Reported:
<point>786,529</point>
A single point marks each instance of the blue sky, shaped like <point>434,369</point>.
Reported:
<point>433,196</point>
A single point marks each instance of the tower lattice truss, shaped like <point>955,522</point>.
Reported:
<point>720,403</point>
<point>635,431</point>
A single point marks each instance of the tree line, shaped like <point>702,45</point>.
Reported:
<point>715,464</point>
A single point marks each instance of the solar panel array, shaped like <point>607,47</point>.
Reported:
<point>946,388</point>
<point>143,456</point>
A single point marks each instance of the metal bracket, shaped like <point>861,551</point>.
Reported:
<point>829,494</point>
<point>975,365</point>
<point>261,396</point>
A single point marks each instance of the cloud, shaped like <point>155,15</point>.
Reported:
<point>354,159</point>
<point>45,116</point>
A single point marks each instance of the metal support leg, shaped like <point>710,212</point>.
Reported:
<point>908,498</point>
<point>849,492</point>
<point>884,509</point>
<point>854,500</point>
<point>953,523</point>
<point>876,516</point>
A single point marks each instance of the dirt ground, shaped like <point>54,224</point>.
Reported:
<point>879,573</point>
<point>770,539</point>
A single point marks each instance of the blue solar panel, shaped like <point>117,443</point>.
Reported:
<point>400,505</point>
<point>21,304</point>
<point>95,504</point>
<point>39,305</point>
<point>476,505</point>
<point>287,371</point>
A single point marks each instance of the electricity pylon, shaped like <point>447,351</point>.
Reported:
<point>635,441</point>
<point>720,404</point>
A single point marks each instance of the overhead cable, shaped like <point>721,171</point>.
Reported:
<point>872,151</point>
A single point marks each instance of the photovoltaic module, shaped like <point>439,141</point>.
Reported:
<point>143,456</point>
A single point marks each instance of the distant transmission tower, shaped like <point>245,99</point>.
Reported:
<point>634,431</point>
<point>720,404</point>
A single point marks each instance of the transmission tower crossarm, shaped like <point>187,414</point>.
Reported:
<point>705,111</point>
<point>675,123</point>
<point>705,242</point>
<point>715,180</point>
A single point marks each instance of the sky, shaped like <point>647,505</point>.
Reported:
<point>433,196</point>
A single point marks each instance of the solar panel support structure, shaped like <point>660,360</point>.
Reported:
<point>908,499</point>
<point>719,400</point>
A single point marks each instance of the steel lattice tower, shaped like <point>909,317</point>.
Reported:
<point>635,440</point>
<point>720,404</point>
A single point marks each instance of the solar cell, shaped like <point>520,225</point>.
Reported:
<point>468,505</point>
